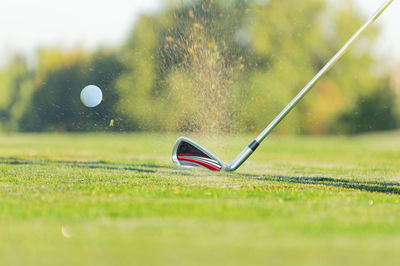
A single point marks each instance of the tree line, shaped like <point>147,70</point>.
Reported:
<point>213,66</point>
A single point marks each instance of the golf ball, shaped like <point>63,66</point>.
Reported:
<point>91,96</point>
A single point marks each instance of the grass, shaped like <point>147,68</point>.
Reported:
<point>106,199</point>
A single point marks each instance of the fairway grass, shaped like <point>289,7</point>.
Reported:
<point>117,199</point>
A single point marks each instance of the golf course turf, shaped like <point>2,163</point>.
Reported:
<point>117,199</point>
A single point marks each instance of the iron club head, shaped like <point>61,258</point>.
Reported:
<point>188,153</point>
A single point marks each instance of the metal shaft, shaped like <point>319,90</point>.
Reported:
<point>248,151</point>
<point>325,69</point>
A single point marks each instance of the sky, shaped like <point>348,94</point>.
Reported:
<point>26,24</point>
<point>388,44</point>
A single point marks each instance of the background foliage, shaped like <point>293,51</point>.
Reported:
<point>216,66</point>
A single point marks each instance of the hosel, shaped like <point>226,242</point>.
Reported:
<point>246,153</point>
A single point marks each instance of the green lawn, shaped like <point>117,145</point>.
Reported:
<point>108,199</point>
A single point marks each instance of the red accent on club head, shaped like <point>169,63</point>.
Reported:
<point>206,165</point>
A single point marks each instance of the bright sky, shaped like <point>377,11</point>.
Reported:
<point>27,24</point>
<point>389,41</point>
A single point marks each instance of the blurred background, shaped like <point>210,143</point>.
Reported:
<point>198,66</point>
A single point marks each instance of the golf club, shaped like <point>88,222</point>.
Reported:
<point>188,153</point>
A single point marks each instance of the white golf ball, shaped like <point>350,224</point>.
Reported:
<point>91,96</point>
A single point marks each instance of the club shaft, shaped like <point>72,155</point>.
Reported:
<point>249,150</point>
<point>322,72</point>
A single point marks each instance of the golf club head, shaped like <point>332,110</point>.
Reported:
<point>188,153</point>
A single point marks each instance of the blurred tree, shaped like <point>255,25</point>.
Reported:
<point>15,92</point>
<point>55,104</point>
<point>291,44</point>
<point>219,65</point>
<point>183,62</point>
<point>138,86</point>
<point>373,112</point>
<point>395,84</point>
<point>210,66</point>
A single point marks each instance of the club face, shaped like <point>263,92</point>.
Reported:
<point>188,153</point>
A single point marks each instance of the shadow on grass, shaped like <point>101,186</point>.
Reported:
<point>79,164</point>
<point>370,186</point>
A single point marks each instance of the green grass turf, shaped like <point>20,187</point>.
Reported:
<point>297,201</point>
